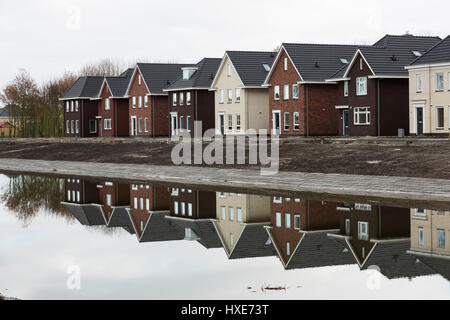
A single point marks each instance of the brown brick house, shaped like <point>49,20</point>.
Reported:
<point>81,104</point>
<point>113,108</point>
<point>190,98</point>
<point>148,111</point>
<point>373,89</point>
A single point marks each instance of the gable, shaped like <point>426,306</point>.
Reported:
<point>355,66</point>
<point>222,80</point>
<point>134,87</point>
<point>277,70</point>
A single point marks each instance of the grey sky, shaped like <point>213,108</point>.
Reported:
<point>47,37</point>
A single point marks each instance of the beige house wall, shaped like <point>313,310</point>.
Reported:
<point>431,221</point>
<point>429,98</point>
<point>253,106</point>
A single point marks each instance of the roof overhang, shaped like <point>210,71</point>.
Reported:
<point>388,77</point>
<point>186,89</point>
<point>316,82</point>
<point>338,80</point>
<point>75,98</point>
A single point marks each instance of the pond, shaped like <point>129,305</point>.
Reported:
<point>70,238</point>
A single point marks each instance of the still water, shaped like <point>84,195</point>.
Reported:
<point>79,239</point>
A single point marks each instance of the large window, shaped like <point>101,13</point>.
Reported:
<point>361,86</point>
<point>296,121</point>
<point>419,83</point>
<point>286,121</point>
<point>440,118</point>
<point>295,91</point>
<point>362,116</point>
<point>286,92</point>
<point>108,124</point>
<point>276,91</point>
<point>439,81</point>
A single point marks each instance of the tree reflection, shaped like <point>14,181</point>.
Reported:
<point>26,196</point>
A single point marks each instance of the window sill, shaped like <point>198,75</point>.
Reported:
<point>360,125</point>
<point>440,129</point>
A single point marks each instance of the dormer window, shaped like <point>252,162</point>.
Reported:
<point>188,72</point>
<point>189,234</point>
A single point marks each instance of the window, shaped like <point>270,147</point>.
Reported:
<point>67,106</point>
<point>347,227</point>
<point>296,121</point>
<point>183,209</point>
<point>134,187</point>
<point>76,126</point>
<point>182,123</point>
<point>139,79</point>
<point>181,99</point>
<point>229,70</point>
<point>285,64</point>
<point>239,214</point>
<point>238,122</point>
<point>175,207</point>
<point>278,220</point>
<point>222,96</point>
<point>286,92</point>
<point>230,96</point>
<point>361,86</point>
<point>297,222</point>
<point>361,64</point>
<point>295,91</point>
<point>287,220</point>
<point>441,239</point>
<point>108,124</point>
<point>107,104</point>
<point>231,212</point>
<point>440,118</point>
<point>134,102</point>
<point>140,125</point>
<point>188,98</point>
<point>223,211</point>
<point>238,95</point>
<point>71,106</point>
<point>230,122</point>
<point>145,101</point>
<point>190,209</point>
<point>276,92</point>
<point>146,124</point>
<point>76,106</point>
<point>439,81</point>
<point>278,200</point>
<point>140,102</point>
<point>363,231</point>
<point>345,88</point>
<point>421,237</point>
<point>174,99</point>
<point>188,123</point>
<point>288,248</point>
<point>419,83</point>
<point>286,121</point>
<point>362,116</point>
<point>72,126</point>
<point>67,126</point>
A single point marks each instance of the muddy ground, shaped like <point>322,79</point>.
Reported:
<point>427,161</point>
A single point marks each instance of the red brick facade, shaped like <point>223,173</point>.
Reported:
<point>76,119</point>
<point>315,103</point>
<point>117,114</point>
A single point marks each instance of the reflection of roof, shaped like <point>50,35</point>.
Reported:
<point>4,112</point>
<point>5,124</point>
<point>158,228</point>
<point>121,219</point>
<point>316,250</point>
<point>204,229</point>
<point>437,264</point>
<point>86,214</point>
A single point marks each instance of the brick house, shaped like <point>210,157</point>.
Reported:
<point>148,111</point>
<point>373,89</point>
<point>81,104</point>
<point>112,196</point>
<point>113,106</point>
<point>299,231</point>
<point>190,98</point>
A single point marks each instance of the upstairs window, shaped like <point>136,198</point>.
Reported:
<point>67,106</point>
<point>134,102</point>
<point>76,106</point>
<point>222,96</point>
<point>286,92</point>
<point>174,99</point>
<point>181,99</point>
<point>277,92</point>
<point>278,220</point>
<point>285,64</point>
<point>229,70</point>
<point>230,96</point>
<point>419,83</point>
<point>107,104</point>
<point>295,91</point>
<point>146,101</point>
<point>238,95</point>
<point>188,98</point>
<point>345,88</point>
<point>361,86</point>
<point>363,231</point>
<point>440,82</point>
<point>140,101</point>
<point>71,106</point>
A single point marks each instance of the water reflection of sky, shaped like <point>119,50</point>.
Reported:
<point>34,262</point>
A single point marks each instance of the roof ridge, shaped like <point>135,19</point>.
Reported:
<point>324,44</point>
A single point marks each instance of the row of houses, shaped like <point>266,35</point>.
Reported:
<point>302,233</point>
<point>399,82</point>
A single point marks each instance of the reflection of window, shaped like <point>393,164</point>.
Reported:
<point>175,207</point>
<point>362,116</point>
<point>297,222</point>
<point>190,209</point>
<point>183,209</point>
<point>363,207</point>
<point>278,218</point>
<point>108,200</point>
<point>288,248</point>
<point>287,218</point>
<point>239,214</point>
<point>441,239</point>
<point>347,227</point>
<point>420,236</point>
<point>278,200</point>
<point>223,211</point>
<point>231,211</point>
<point>363,231</point>
<point>231,239</point>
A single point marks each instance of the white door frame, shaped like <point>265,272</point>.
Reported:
<point>133,126</point>
<point>173,131</point>
<point>219,131</point>
<point>343,122</point>
<point>417,105</point>
<point>274,130</point>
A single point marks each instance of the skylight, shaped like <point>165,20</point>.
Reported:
<point>417,53</point>
<point>266,67</point>
<point>344,61</point>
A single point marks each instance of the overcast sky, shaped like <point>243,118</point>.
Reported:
<point>47,37</point>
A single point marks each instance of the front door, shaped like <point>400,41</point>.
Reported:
<point>345,126</point>
<point>133,127</point>
<point>222,124</point>
<point>276,122</point>
<point>174,124</point>
<point>419,117</point>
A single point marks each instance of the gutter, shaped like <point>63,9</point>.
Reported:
<point>307,110</point>
<point>379,107</point>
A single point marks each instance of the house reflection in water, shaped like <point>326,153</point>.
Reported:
<point>430,243</point>
<point>240,223</point>
<point>299,230</point>
<point>149,208</point>
<point>192,213</point>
